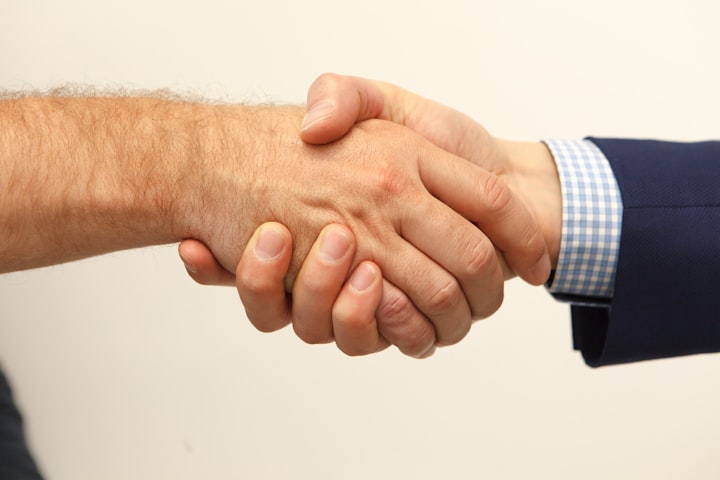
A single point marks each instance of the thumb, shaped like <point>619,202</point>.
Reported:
<point>335,103</point>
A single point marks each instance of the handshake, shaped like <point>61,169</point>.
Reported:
<point>380,218</point>
<point>421,216</point>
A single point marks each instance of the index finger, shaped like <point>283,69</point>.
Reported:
<point>485,199</point>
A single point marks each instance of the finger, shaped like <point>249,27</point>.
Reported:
<point>260,277</point>
<point>426,281</point>
<point>319,282</point>
<point>335,103</point>
<point>202,266</point>
<point>403,325</point>
<point>463,272</point>
<point>353,314</point>
<point>485,199</point>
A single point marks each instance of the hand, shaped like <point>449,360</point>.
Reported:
<point>367,95</point>
<point>321,302</point>
<point>322,306</point>
<point>336,103</point>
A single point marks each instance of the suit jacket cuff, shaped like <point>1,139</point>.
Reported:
<point>666,299</point>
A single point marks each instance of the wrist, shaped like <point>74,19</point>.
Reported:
<point>228,190</point>
<point>533,175</point>
<point>209,165</point>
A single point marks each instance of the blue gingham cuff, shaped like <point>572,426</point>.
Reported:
<point>591,222</point>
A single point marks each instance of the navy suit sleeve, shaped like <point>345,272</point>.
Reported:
<point>667,291</point>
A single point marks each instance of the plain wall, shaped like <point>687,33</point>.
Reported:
<point>125,368</point>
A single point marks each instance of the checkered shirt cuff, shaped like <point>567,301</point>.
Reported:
<point>592,220</point>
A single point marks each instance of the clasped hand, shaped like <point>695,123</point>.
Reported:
<point>415,241</point>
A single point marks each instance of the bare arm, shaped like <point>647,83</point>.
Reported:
<point>335,104</point>
<point>83,176</point>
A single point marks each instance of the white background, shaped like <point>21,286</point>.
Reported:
<point>126,369</point>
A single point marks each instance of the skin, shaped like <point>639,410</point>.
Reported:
<point>326,298</point>
<point>82,176</point>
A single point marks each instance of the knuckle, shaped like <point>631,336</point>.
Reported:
<point>354,321</point>
<point>479,258</point>
<point>535,248</point>
<point>534,243</point>
<point>401,324</point>
<point>252,284</point>
<point>313,286</point>
<point>444,298</point>
<point>395,310</point>
<point>496,193</point>
<point>391,182</point>
<point>529,238</point>
<point>327,79</point>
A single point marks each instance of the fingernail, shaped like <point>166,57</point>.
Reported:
<point>334,245</point>
<point>429,353</point>
<point>362,278</point>
<point>269,244</point>
<point>319,112</point>
<point>188,266</point>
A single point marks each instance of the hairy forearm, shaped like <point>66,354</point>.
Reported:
<point>84,176</point>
